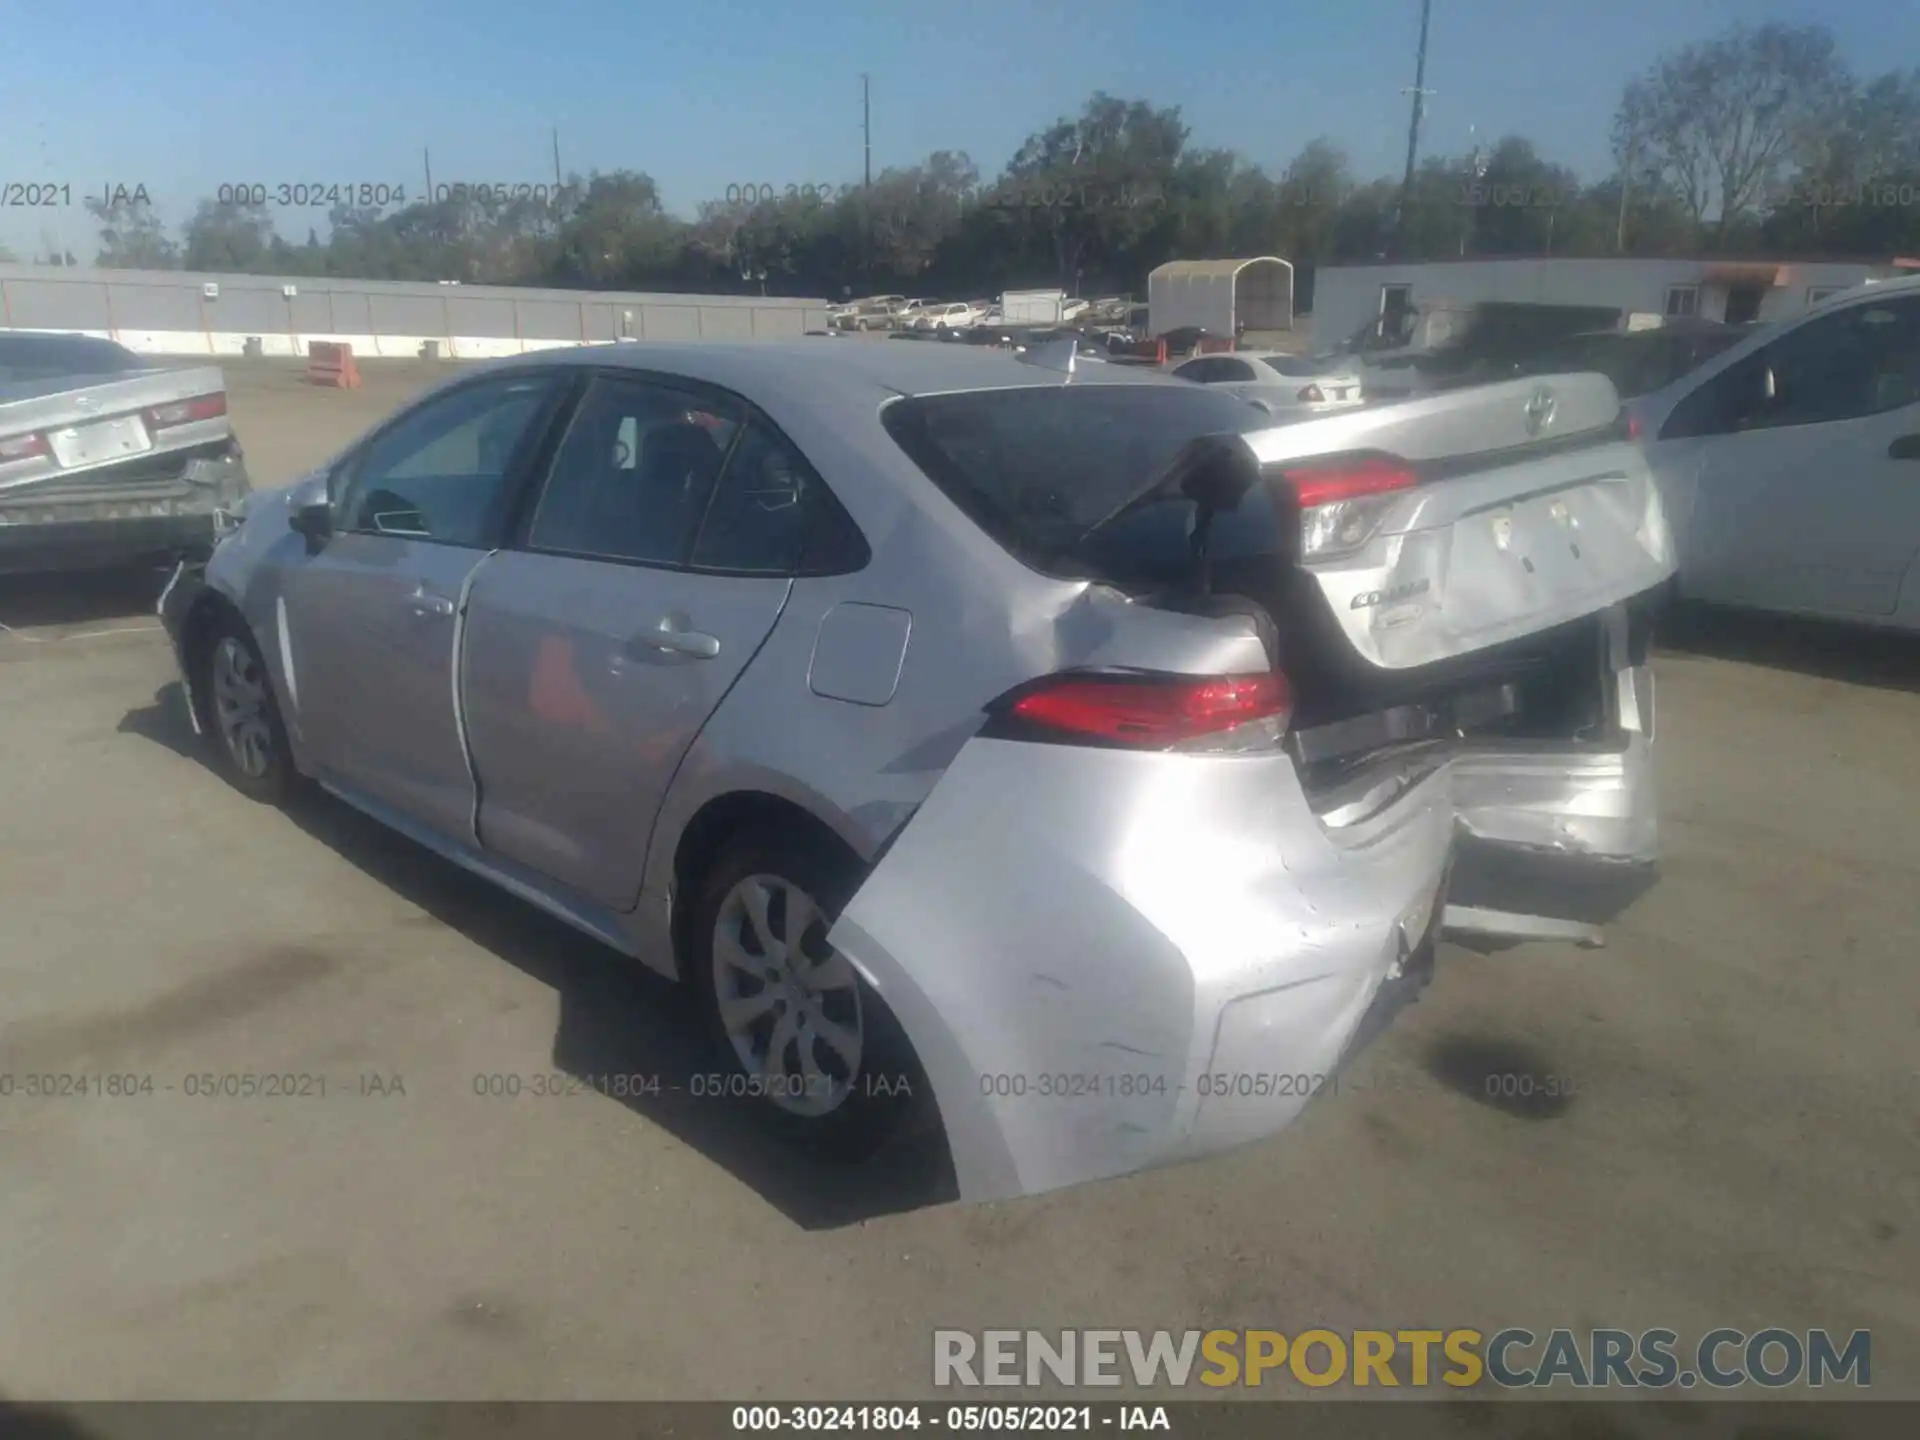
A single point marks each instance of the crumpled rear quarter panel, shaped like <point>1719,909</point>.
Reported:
<point>1113,925</point>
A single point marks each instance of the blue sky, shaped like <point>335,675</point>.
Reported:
<point>182,97</point>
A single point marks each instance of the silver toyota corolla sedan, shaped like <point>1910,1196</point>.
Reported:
<point>1041,748</point>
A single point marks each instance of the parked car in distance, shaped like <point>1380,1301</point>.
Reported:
<point>1790,463</point>
<point>1277,383</point>
<point>108,459</point>
<point>904,315</point>
<point>956,315</point>
<point>798,672</point>
<point>873,313</point>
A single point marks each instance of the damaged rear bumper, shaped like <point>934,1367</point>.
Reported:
<point>1109,961</point>
<point>103,523</point>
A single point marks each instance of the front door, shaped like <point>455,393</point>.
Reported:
<point>657,559</point>
<point>373,618</point>
<point>1803,500</point>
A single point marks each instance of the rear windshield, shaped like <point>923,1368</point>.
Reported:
<point>55,357</point>
<point>1299,364</point>
<point>1039,467</point>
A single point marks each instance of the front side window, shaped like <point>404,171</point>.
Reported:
<point>442,472</point>
<point>634,474</point>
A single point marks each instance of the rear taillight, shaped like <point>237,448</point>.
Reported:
<point>1343,500</point>
<point>1312,395</point>
<point>23,447</point>
<point>1149,712</point>
<point>185,412</point>
<point>1633,427</point>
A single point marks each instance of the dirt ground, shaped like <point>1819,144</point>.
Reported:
<point>1732,1139</point>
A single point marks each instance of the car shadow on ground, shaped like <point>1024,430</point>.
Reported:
<point>1885,659</point>
<point>40,1422</point>
<point>86,599</point>
<point>616,1017</point>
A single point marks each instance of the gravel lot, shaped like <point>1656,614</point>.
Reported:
<point>1740,1147</point>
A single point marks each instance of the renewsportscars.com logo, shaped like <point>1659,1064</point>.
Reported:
<point>1513,1358</point>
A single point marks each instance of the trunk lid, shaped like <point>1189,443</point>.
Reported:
<point>54,433</point>
<point>1531,508</point>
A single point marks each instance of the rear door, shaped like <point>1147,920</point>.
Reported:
<point>1799,465</point>
<point>373,618</point>
<point>655,560</point>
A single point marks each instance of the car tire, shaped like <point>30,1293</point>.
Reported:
<point>241,714</point>
<point>781,1021</point>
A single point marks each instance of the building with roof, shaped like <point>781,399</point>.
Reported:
<point>1350,298</point>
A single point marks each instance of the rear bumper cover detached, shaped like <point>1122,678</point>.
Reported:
<point>1109,961</point>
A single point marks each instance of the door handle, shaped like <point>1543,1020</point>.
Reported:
<point>424,602</point>
<point>682,642</point>
<point>1907,447</point>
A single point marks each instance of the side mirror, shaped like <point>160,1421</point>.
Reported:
<point>314,521</point>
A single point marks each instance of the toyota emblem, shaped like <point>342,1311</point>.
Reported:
<point>1539,410</point>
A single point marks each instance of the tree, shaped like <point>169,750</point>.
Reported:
<point>229,238</point>
<point>1724,120</point>
<point>615,232</point>
<point>131,236</point>
<point>1091,185</point>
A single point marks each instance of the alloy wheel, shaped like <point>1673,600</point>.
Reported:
<point>788,1001</point>
<point>240,707</point>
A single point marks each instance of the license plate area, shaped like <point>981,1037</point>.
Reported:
<point>100,441</point>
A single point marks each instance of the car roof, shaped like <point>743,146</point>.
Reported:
<point>761,369</point>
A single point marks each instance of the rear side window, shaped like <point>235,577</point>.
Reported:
<point>772,514</point>
<point>634,474</point>
<point>1038,467</point>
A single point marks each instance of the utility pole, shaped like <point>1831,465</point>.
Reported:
<point>1626,183</point>
<point>426,158</point>
<point>557,180</point>
<point>866,196</point>
<point>1419,93</point>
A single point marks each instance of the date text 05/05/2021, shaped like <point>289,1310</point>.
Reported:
<point>960,1419</point>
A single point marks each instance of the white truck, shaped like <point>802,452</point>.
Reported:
<point>1033,307</point>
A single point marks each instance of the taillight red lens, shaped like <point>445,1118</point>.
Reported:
<point>1312,395</point>
<point>1152,712</point>
<point>22,447</point>
<point>1633,427</point>
<point>185,412</point>
<point>1325,482</point>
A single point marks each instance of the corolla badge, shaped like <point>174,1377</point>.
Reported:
<point>1367,599</point>
<point>1539,410</point>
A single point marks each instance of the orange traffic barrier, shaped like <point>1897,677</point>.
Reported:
<point>332,365</point>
